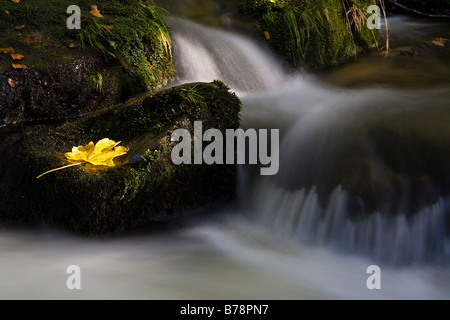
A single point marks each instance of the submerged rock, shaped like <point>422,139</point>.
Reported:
<point>73,72</point>
<point>391,160</point>
<point>145,185</point>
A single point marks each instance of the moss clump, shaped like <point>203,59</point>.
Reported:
<point>133,30</point>
<point>146,187</point>
<point>313,34</point>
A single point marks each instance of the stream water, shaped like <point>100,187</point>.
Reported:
<point>280,240</point>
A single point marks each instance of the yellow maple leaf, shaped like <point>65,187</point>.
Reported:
<point>100,154</point>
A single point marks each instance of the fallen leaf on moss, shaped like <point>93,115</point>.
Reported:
<point>11,83</point>
<point>6,50</point>
<point>267,35</point>
<point>95,11</point>
<point>72,45</point>
<point>440,42</point>
<point>109,27</point>
<point>101,154</point>
<point>15,1</point>
<point>6,12</point>
<point>16,56</point>
<point>20,27</point>
<point>151,67</point>
<point>130,100</point>
<point>123,63</point>
<point>18,66</point>
<point>30,40</point>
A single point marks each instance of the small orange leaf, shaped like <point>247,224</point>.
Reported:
<point>30,40</point>
<point>20,27</point>
<point>95,11</point>
<point>16,56</point>
<point>15,1</point>
<point>112,55</point>
<point>123,63</point>
<point>6,50</point>
<point>6,12</point>
<point>18,66</point>
<point>267,35</point>
<point>109,27</point>
<point>11,83</point>
<point>151,67</point>
<point>72,45</point>
<point>130,100</point>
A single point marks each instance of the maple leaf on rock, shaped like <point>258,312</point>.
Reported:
<point>101,154</point>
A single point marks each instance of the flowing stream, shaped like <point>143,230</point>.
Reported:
<point>294,235</point>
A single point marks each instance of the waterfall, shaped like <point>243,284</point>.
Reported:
<point>398,239</point>
<point>205,54</point>
<point>325,131</point>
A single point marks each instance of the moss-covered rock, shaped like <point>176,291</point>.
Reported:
<point>313,34</point>
<point>72,72</point>
<point>145,185</point>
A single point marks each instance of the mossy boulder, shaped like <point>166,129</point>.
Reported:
<point>143,187</point>
<point>313,34</point>
<point>72,72</point>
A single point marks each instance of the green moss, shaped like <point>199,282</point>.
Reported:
<point>313,34</point>
<point>145,187</point>
<point>139,39</point>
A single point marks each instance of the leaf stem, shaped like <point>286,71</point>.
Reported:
<point>69,165</point>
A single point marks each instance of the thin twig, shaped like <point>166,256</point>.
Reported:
<point>386,25</point>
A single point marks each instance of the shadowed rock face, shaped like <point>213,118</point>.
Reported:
<point>61,92</point>
<point>71,73</point>
<point>144,186</point>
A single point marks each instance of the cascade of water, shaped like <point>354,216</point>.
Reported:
<point>324,131</point>
<point>205,54</point>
